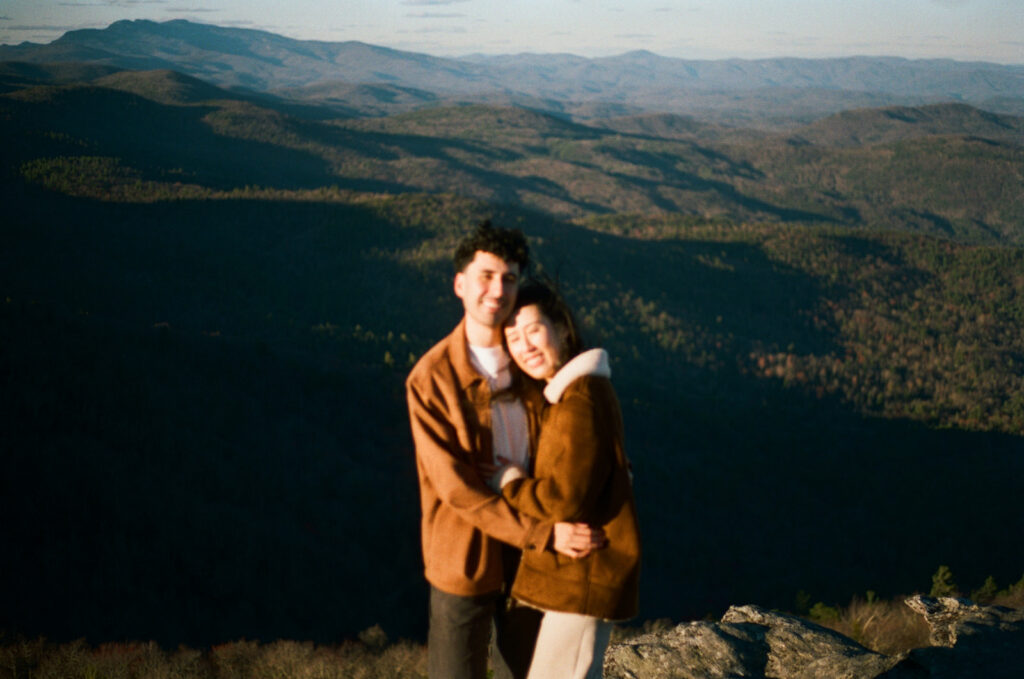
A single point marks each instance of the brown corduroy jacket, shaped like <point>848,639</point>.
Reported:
<point>581,474</point>
<point>464,522</point>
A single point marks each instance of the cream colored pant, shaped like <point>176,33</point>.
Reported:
<point>570,646</point>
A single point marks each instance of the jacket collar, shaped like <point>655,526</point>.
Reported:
<point>458,352</point>
<point>592,362</point>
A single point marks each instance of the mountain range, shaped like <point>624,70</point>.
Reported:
<point>757,92</point>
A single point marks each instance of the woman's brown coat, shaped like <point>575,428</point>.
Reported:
<point>581,474</point>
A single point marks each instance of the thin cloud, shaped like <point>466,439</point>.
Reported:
<point>441,29</point>
<point>435,15</point>
<point>434,29</point>
<point>43,27</point>
<point>114,3</point>
<point>431,2</point>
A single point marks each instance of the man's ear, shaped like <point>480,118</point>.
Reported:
<point>460,284</point>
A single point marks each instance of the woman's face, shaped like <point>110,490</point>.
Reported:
<point>534,342</point>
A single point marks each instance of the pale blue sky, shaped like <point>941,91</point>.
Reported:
<point>988,30</point>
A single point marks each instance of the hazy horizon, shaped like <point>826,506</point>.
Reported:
<point>962,30</point>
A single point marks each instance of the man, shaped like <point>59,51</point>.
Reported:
<point>464,416</point>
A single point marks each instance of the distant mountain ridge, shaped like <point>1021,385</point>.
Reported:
<point>266,62</point>
<point>885,125</point>
<point>164,86</point>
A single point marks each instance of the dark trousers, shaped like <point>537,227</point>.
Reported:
<point>462,628</point>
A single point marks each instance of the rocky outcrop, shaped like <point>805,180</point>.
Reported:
<point>969,641</point>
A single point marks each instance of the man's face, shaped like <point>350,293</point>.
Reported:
<point>487,288</point>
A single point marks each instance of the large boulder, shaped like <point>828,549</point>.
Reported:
<point>968,640</point>
<point>690,651</point>
<point>803,650</point>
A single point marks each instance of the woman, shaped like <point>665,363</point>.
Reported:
<point>581,474</point>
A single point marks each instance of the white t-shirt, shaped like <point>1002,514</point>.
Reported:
<point>509,426</point>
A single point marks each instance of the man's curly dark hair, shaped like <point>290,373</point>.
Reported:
<point>509,244</point>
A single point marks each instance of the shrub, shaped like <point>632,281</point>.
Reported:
<point>1012,596</point>
<point>824,615</point>
<point>987,592</point>
<point>942,583</point>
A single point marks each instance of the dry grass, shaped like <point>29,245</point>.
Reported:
<point>891,627</point>
<point>888,627</point>
<point>39,659</point>
<point>1012,598</point>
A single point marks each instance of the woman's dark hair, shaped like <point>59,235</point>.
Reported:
<point>553,306</point>
<point>509,244</point>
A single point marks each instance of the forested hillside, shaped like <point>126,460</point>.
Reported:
<point>950,175</point>
<point>208,305</point>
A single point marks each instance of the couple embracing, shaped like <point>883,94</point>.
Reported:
<point>529,529</point>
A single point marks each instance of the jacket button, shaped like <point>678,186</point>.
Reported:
<point>531,546</point>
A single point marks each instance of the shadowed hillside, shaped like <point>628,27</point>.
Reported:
<point>165,87</point>
<point>886,125</point>
<point>208,440</point>
<point>15,75</point>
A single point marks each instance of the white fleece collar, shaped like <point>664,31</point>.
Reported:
<point>591,362</point>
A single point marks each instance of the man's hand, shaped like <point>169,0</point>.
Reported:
<point>497,475</point>
<point>577,540</point>
<point>486,470</point>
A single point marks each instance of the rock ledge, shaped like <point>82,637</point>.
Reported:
<point>968,640</point>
